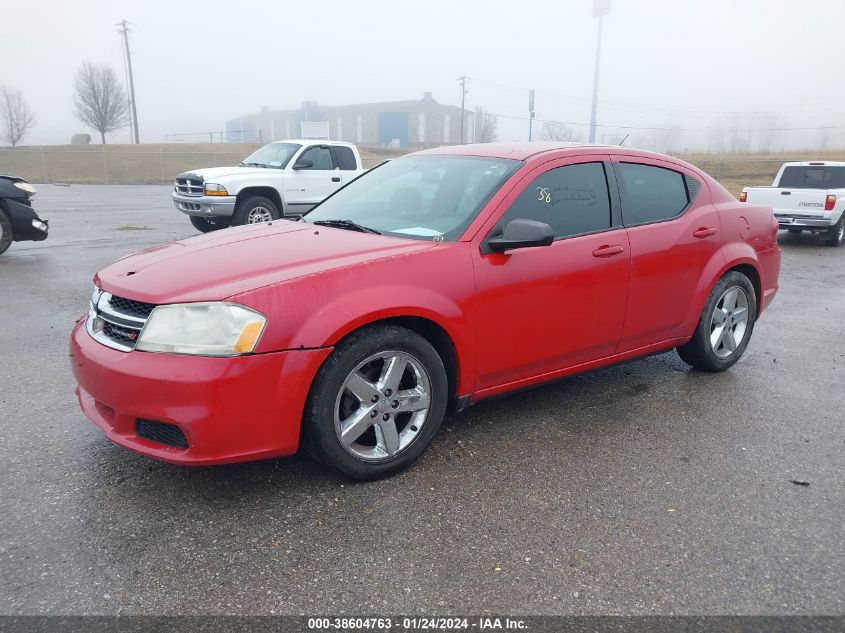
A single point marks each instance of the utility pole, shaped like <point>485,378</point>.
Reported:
<point>530,113</point>
<point>600,9</point>
<point>124,30</point>
<point>463,79</point>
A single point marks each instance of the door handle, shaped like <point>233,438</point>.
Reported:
<point>608,251</point>
<point>335,178</point>
<point>704,231</point>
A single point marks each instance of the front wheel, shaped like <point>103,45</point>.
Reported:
<point>206,226</point>
<point>836,233</point>
<point>725,326</point>
<point>255,210</point>
<point>376,403</point>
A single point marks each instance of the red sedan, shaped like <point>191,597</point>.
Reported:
<point>429,283</point>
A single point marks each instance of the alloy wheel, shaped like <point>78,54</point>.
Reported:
<point>382,406</point>
<point>729,322</point>
<point>259,214</point>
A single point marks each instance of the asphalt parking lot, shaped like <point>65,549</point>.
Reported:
<point>646,488</point>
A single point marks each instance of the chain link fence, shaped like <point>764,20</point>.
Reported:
<point>159,164</point>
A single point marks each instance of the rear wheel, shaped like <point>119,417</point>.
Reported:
<point>255,210</point>
<point>6,235</point>
<point>725,326</point>
<point>836,233</point>
<point>206,226</point>
<point>376,403</point>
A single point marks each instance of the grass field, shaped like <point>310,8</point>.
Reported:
<point>159,163</point>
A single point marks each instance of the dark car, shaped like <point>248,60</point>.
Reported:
<point>18,220</point>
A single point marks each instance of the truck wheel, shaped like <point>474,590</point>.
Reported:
<point>5,231</point>
<point>255,210</point>
<point>725,326</point>
<point>836,233</point>
<point>206,226</point>
<point>376,403</point>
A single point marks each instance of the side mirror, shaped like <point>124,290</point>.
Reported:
<point>304,163</point>
<point>522,234</point>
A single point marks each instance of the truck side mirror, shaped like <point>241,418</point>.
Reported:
<point>304,163</point>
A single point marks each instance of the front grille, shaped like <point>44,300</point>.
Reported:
<point>161,433</point>
<point>117,322</point>
<point>189,186</point>
<point>129,307</point>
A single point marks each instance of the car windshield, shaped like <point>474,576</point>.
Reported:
<point>417,197</point>
<point>274,155</point>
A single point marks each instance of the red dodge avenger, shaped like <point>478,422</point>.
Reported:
<point>427,284</point>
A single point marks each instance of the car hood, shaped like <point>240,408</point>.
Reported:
<point>219,265</point>
<point>209,174</point>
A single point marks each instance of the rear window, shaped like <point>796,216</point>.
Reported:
<point>813,177</point>
<point>651,194</point>
<point>345,158</point>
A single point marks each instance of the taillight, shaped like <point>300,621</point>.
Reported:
<point>829,203</point>
<point>743,196</point>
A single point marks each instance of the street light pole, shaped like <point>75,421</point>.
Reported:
<point>600,9</point>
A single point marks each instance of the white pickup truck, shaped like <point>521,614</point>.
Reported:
<point>808,196</point>
<point>285,178</point>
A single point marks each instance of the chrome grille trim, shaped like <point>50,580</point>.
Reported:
<point>113,327</point>
<point>190,186</point>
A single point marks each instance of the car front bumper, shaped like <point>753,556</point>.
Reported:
<point>26,225</point>
<point>205,206</point>
<point>228,409</point>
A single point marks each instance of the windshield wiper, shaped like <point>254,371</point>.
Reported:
<point>346,224</point>
<point>253,164</point>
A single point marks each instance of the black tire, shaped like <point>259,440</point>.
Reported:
<point>836,233</point>
<point>319,435</point>
<point>794,230</point>
<point>699,352</point>
<point>6,235</point>
<point>206,226</point>
<point>249,207</point>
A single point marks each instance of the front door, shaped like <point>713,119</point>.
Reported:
<point>547,308</point>
<point>308,185</point>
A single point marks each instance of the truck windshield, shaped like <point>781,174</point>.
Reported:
<point>813,177</point>
<point>275,155</point>
<point>418,197</point>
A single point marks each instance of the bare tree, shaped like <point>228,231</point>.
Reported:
<point>561,132</point>
<point>487,126</point>
<point>99,99</point>
<point>16,115</point>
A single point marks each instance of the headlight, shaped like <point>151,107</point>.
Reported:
<point>215,190</point>
<point>26,187</point>
<point>95,297</point>
<point>205,329</point>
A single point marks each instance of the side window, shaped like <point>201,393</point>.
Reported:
<point>573,200</point>
<point>345,158</point>
<point>320,156</point>
<point>651,194</point>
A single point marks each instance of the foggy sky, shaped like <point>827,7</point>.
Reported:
<point>665,63</point>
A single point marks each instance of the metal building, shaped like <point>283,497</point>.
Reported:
<point>413,123</point>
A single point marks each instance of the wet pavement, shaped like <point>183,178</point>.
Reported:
<point>646,488</point>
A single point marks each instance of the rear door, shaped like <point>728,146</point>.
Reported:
<point>674,232</point>
<point>347,164</point>
<point>542,309</point>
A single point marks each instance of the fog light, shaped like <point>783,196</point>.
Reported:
<point>40,225</point>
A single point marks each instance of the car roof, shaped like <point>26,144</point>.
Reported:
<point>815,163</point>
<point>314,141</point>
<point>515,151</point>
